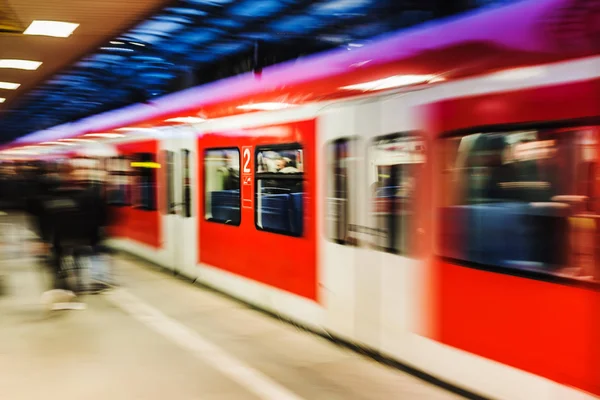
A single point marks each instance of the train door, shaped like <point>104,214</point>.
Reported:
<point>180,232</point>
<point>368,258</point>
<point>349,270</point>
<point>345,233</point>
<point>395,166</point>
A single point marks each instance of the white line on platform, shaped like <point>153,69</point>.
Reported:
<point>188,339</point>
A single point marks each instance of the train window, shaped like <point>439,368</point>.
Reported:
<point>144,175</point>
<point>341,190</point>
<point>395,161</point>
<point>119,180</point>
<point>280,189</point>
<point>171,206</point>
<point>524,200</point>
<point>186,184</point>
<point>222,186</point>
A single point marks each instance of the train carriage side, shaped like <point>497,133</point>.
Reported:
<point>134,193</point>
<point>257,211</point>
<point>515,266</point>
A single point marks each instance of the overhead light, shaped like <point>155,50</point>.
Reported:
<point>2,100</point>
<point>20,64</point>
<point>186,120</point>
<point>116,42</point>
<point>104,135</point>
<point>523,73</point>
<point>77,140</point>
<point>125,49</point>
<point>138,44</point>
<point>19,152</point>
<point>51,28</point>
<point>9,85</point>
<point>59,143</point>
<point>391,82</point>
<point>265,106</point>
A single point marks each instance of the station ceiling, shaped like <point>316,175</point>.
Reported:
<point>125,52</point>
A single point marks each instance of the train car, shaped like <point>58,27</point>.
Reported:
<point>430,196</point>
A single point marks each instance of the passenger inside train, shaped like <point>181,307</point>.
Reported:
<point>279,192</point>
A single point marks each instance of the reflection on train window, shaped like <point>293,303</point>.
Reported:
<point>341,189</point>
<point>119,180</point>
<point>144,168</point>
<point>279,189</point>
<point>222,186</point>
<point>523,200</point>
<point>395,162</point>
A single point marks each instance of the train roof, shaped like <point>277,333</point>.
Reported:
<point>531,32</point>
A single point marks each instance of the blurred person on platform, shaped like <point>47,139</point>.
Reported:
<point>74,215</point>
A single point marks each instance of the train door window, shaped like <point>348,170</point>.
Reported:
<point>280,189</point>
<point>171,206</point>
<point>144,193</point>
<point>119,181</point>
<point>523,200</point>
<point>186,184</point>
<point>395,162</point>
<point>341,178</point>
<point>222,186</point>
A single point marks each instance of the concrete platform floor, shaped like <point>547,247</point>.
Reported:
<point>161,338</point>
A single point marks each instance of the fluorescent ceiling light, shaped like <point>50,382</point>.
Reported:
<point>265,106</point>
<point>186,120</point>
<point>9,85</point>
<point>77,140</point>
<point>125,49</point>
<point>391,82</point>
<point>116,42</point>
<point>20,152</point>
<point>59,143</point>
<point>51,28</point>
<point>104,135</point>
<point>20,64</point>
<point>2,100</point>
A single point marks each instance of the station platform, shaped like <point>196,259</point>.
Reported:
<point>160,337</point>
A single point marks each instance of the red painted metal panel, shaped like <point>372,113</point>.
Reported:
<point>284,262</point>
<point>143,226</point>
<point>549,329</point>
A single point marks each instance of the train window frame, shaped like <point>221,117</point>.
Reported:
<point>169,174</point>
<point>352,214</point>
<point>535,274</point>
<point>408,249</point>
<point>127,173</point>
<point>271,175</point>
<point>204,182</point>
<point>136,173</point>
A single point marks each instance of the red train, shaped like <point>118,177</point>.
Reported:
<point>432,196</point>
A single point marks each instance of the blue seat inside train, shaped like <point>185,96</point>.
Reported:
<point>275,212</point>
<point>225,206</point>
<point>504,234</point>
<point>297,213</point>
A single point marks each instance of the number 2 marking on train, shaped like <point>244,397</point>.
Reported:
<point>247,154</point>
